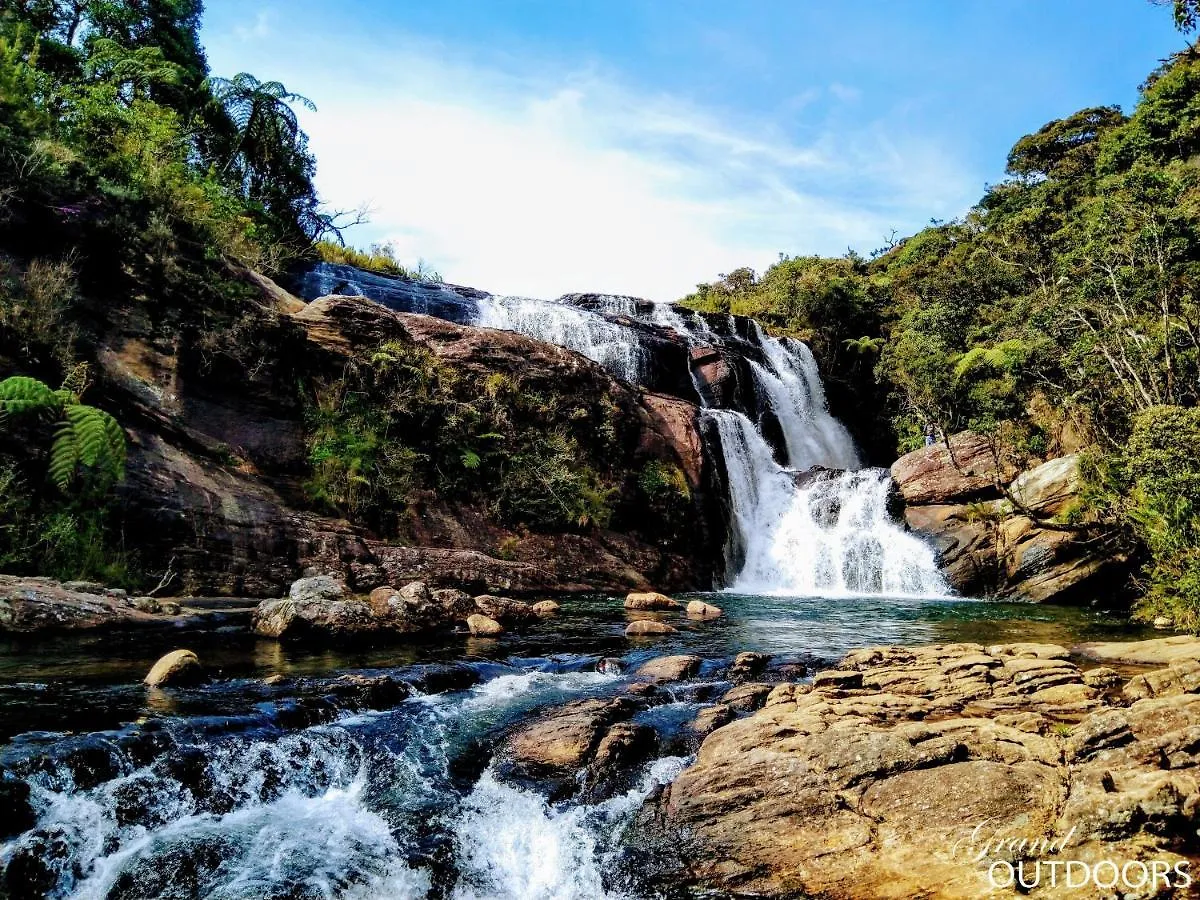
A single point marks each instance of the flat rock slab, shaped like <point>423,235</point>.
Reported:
<point>1155,652</point>
<point>31,605</point>
<point>861,784</point>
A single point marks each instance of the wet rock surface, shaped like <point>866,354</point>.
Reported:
<point>860,785</point>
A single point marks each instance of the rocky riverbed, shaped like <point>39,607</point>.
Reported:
<point>761,752</point>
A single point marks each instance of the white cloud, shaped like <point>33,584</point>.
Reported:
<point>533,182</point>
<point>257,28</point>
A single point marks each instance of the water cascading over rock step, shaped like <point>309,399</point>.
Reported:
<point>830,535</point>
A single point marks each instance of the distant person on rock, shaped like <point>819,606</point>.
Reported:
<point>929,435</point>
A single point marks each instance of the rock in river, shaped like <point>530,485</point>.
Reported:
<point>482,625</point>
<point>651,600</point>
<point>175,668</point>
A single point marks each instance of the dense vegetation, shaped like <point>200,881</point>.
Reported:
<point>1060,314</point>
<point>137,191</point>
<point>131,182</point>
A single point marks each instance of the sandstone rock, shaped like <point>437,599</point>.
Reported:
<point>29,605</point>
<point>1101,677</point>
<point>615,764</point>
<point>552,749</point>
<point>1048,489</point>
<point>456,604</point>
<point>179,667</point>
<point>382,599</point>
<point>863,792</point>
<point>1182,676</point>
<point>1163,623</point>
<point>965,470</point>
<point>169,608</point>
<point>1155,652</point>
<point>650,600</point>
<point>545,608</point>
<point>748,665</point>
<point>698,609</point>
<point>504,610</point>
<point>747,697</point>
<point>482,625</point>
<point>669,668</point>
<point>317,589</point>
<point>837,680</point>
<point>316,607</point>
<point>647,627</point>
<point>711,718</point>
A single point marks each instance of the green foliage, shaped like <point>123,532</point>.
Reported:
<point>87,441</point>
<point>379,258</point>
<point>401,422</point>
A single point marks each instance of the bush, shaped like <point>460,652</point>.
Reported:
<point>1163,464</point>
<point>400,421</point>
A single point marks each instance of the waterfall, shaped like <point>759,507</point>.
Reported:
<point>612,345</point>
<point>831,534</point>
<point>789,535</point>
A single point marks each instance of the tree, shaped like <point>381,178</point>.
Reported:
<point>266,154</point>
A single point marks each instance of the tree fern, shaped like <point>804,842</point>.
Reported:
<point>85,438</point>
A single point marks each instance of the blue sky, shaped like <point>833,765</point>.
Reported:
<point>642,146</point>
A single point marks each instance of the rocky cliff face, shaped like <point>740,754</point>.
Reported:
<point>1001,533</point>
<point>218,455</point>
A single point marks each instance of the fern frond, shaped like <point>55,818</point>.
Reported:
<point>21,395</point>
<point>64,456</point>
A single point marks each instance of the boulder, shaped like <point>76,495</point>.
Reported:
<point>482,625</point>
<point>179,667</point>
<point>698,609</point>
<point>317,589</point>
<point>1047,490</point>
<point>650,600</point>
<point>545,608</point>
<point>748,665</point>
<point>648,627</point>
<point>617,760</point>
<point>504,610</point>
<point>710,718</point>
<point>315,607</point>
<point>962,470</point>
<point>669,668</point>
<point>553,748</point>
<point>747,697</point>
<point>875,790</point>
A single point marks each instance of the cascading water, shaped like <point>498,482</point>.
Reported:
<point>832,535</point>
<point>583,331</point>
<point>366,806</point>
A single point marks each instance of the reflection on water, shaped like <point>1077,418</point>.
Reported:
<point>90,682</point>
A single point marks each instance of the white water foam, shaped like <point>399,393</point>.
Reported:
<point>608,343</point>
<point>513,845</point>
<point>832,536</point>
